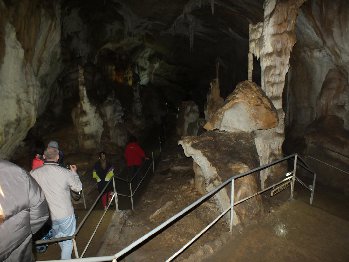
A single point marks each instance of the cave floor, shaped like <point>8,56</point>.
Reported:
<point>292,231</point>
<point>295,232</point>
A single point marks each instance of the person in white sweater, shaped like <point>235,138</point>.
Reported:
<point>56,183</point>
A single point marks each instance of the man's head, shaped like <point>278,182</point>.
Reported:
<point>102,155</point>
<point>51,154</point>
<point>53,144</point>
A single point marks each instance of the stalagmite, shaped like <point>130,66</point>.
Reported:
<point>274,48</point>
<point>250,58</point>
<point>87,120</point>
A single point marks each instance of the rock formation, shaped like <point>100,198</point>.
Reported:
<point>214,99</point>
<point>247,109</point>
<point>231,150</point>
<point>217,156</point>
<point>188,119</point>
<point>113,118</point>
<point>29,64</point>
<point>86,118</point>
<point>273,45</point>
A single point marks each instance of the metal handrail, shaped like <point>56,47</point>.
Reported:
<point>197,203</point>
<point>53,240</point>
<point>59,239</point>
<point>328,149</point>
<point>327,164</point>
<point>132,193</point>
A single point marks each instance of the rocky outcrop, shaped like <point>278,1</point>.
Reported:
<point>86,118</point>
<point>113,118</point>
<point>232,149</point>
<point>247,109</point>
<point>188,119</point>
<point>321,55</point>
<point>217,156</point>
<point>318,94</point>
<point>30,63</point>
<point>274,48</point>
<point>214,99</point>
<point>333,99</point>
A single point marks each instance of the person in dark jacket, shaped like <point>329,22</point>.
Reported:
<point>23,211</point>
<point>103,171</point>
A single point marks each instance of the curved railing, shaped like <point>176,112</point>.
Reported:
<point>147,166</point>
<point>289,179</point>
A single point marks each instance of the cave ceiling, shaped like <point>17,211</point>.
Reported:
<point>190,36</point>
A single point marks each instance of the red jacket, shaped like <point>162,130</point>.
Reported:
<point>134,154</point>
<point>37,162</point>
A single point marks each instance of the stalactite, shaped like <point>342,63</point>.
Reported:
<point>250,66</point>
<point>191,36</point>
<point>191,31</point>
<point>250,56</point>
<point>212,6</point>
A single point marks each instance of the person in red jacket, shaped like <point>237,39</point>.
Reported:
<point>134,155</point>
<point>37,161</point>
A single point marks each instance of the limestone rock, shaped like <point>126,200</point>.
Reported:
<point>29,64</point>
<point>333,150</point>
<point>188,117</point>
<point>214,99</point>
<point>160,214</point>
<point>86,119</point>
<point>112,114</point>
<point>320,57</point>
<point>334,96</point>
<point>246,109</point>
<point>219,155</point>
<point>274,49</point>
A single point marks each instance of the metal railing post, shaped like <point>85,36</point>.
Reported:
<point>75,248</point>
<point>312,190</point>
<point>83,198</point>
<point>232,194</point>
<point>294,175</point>
<point>152,156</point>
<point>131,194</point>
<point>115,198</point>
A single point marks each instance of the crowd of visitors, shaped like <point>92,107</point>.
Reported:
<point>43,197</point>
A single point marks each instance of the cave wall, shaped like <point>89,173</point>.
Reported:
<point>318,78</point>
<point>29,64</point>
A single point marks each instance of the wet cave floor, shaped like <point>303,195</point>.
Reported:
<point>292,230</point>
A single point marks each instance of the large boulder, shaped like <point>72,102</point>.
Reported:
<point>246,109</point>
<point>219,155</point>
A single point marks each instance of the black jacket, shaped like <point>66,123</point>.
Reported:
<point>25,210</point>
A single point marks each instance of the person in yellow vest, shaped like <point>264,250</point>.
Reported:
<point>103,171</point>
